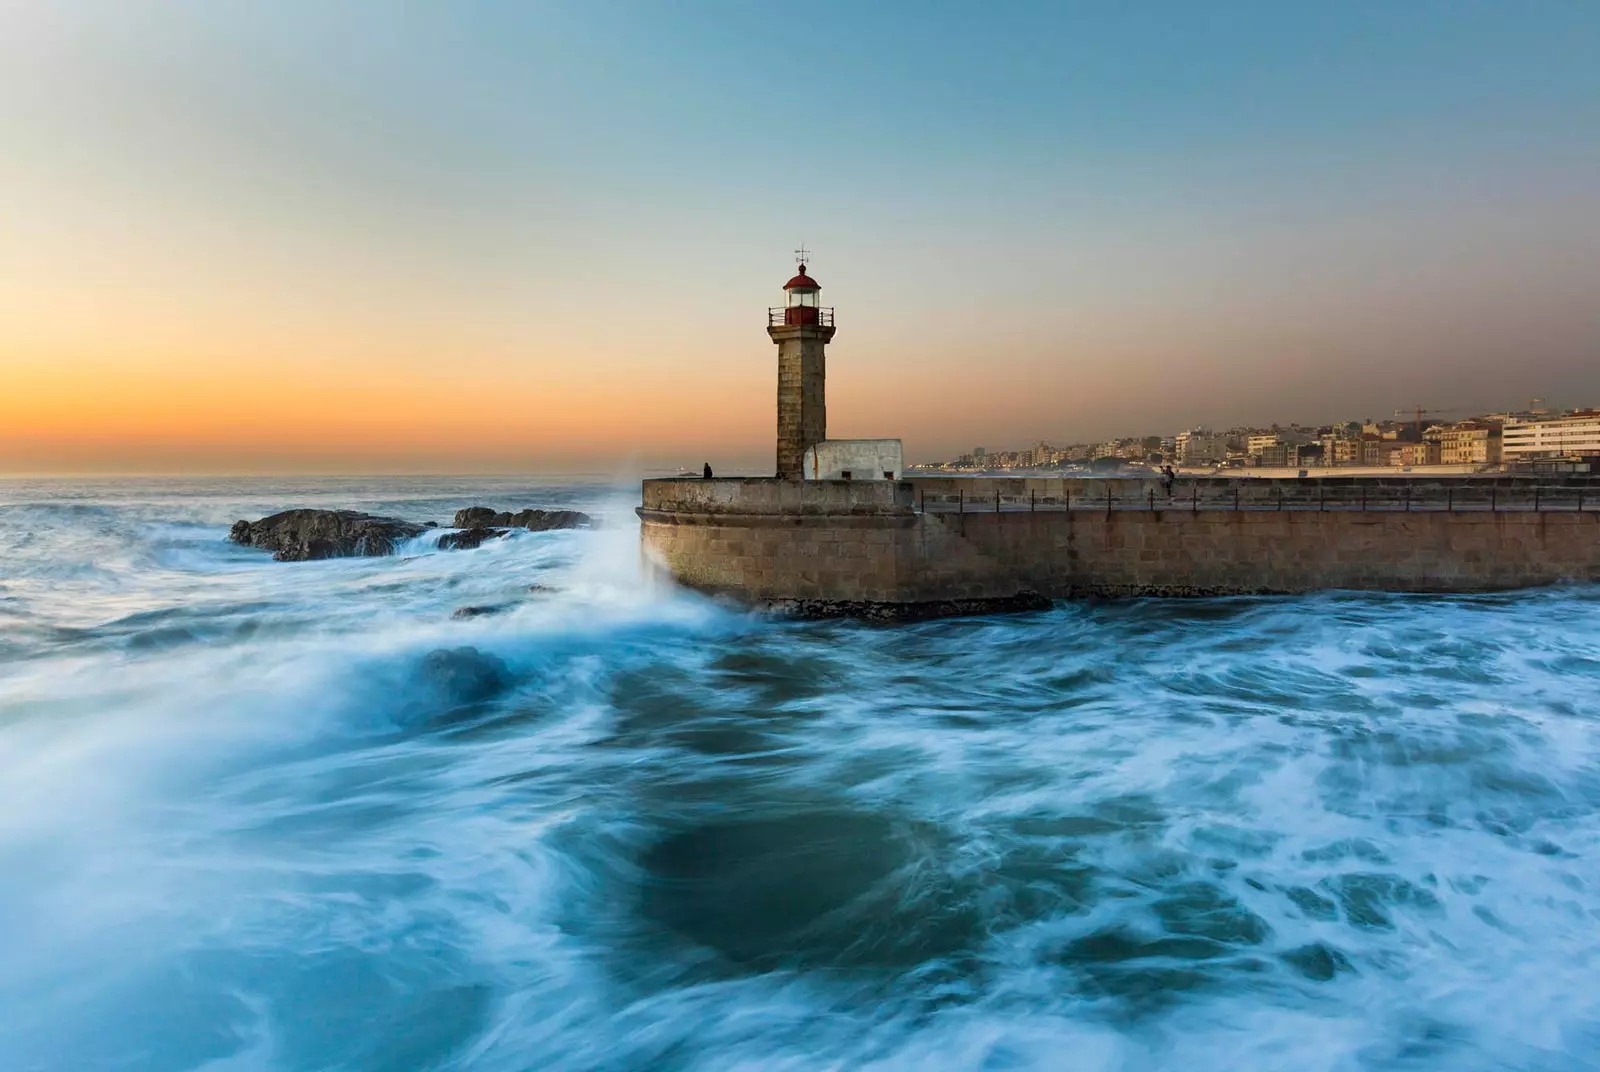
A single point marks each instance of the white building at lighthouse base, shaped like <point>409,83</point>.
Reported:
<point>855,459</point>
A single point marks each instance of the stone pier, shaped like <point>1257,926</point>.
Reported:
<point>822,549</point>
<point>919,548</point>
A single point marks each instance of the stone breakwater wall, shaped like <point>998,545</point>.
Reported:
<point>1180,553</point>
<point>898,550</point>
<point>1070,537</point>
<point>821,548</point>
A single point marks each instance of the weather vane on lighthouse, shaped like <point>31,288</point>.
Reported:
<point>802,256</point>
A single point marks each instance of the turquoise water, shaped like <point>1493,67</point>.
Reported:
<point>260,815</point>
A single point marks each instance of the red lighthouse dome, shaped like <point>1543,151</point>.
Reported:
<point>802,304</point>
<point>802,282</point>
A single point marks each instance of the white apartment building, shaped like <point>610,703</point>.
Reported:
<point>1200,447</point>
<point>1551,437</point>
<point>1260,442</point>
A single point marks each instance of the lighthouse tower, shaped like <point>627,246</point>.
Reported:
<point>802,329</point>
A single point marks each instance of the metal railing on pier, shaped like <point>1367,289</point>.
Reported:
<point>1242,497</point>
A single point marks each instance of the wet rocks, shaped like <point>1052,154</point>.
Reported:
<point>467,539</point>
<point>303,535</point>
<point>483,517</point>
<point>894,613</point>
<point>476,517</point>
<point>480,610</point>
<point>480,523</point>
<point>464,675</point>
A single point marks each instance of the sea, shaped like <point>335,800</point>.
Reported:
<point>258,815</point>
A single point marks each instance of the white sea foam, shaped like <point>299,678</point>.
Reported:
<point>260,815</point>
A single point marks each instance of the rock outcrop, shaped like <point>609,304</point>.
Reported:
<point>483,517</point>
<point>302,535</point>
<point>451,686</point>
<point>894,613</point>
<point>481,610</point>
<point>464,675</point>
<point>467,539</point>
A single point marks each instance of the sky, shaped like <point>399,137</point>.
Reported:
<point>539,236</point>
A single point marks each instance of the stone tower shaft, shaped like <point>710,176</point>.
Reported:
<point>802,394</point>
<point>802,330</point>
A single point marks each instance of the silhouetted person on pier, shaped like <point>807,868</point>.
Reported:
<point>1168,477</point>
<point>706,473</point>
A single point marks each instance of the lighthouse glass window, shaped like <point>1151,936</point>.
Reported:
<point>803,299</point>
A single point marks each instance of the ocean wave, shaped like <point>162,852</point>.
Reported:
<point>259,815</point>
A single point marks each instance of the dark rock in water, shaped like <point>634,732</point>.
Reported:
<point>464,675</point>
<point>475,517</point>
<point>467,539</point>
<point>430,524</point>
<point>480,523</point>
<point>546,520</point>
<point>543,589</point>
<point>301,535</point>
<point>893,613</point>
<point>480,610</point>
<point>535,520</point>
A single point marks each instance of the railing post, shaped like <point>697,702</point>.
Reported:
<point>1580,498</point>
<point>997,500</point>
<point>1194,497</point>
<point>1322,492</point>
<point>1033,500</point>
<point>1408,498</point>
<point>1494,495</point>
<point>1152,494</point>
<point>1236,498</point>
<point>1450,499</point>
<point>1108,499</point>
<point>1363,498</point>
<point>961,501</point>
<point>1536,498</point>
<point>1279,490</point>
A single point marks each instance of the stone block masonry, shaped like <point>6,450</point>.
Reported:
<point>821,548</point>
<point>1178,553</point>
<point>802,398</point>
<point>862,549</point>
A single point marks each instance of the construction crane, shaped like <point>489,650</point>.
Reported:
<point>1419,411</point>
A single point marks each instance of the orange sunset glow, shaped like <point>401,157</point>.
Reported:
<point>500,242</point>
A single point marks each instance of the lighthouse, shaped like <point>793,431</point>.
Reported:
<point>802,328</point>
<point>836,531</point>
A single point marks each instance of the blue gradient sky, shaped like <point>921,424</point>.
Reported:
<point>491,235</point>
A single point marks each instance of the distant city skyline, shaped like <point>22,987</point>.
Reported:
<point>490,237</point>
<point>1511,437</point>
<point>1402,417</point>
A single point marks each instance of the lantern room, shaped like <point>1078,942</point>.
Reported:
<point>803,304</point>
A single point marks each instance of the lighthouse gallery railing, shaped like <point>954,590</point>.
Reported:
<point>779,316</point>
